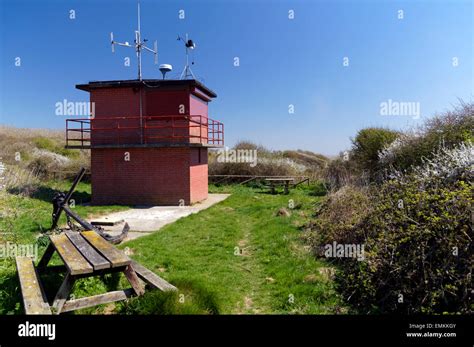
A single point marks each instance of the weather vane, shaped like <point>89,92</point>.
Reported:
<point>139,45</point>
<point>189,45</point>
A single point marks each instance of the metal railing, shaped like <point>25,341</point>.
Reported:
<point>184,129</point>
<point>84,128</point>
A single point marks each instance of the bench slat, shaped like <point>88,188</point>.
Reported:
<point>91,301</point>
<point>34,299</point>
<point>151,278</point>
<point>91,255</point>
<point>116,257</point>
<point>72,258</point>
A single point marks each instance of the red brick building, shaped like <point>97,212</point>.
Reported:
<point>148,140</point>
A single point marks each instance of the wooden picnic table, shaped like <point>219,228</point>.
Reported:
<point>279,181</point>
<point>85,254</point>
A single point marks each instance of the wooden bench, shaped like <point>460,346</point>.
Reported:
<point>274,182</point>
<point>34,299</point>
<point>85,254</point>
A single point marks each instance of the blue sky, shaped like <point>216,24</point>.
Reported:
<point>283,61</point>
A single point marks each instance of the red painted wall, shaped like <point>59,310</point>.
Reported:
<point>124,102</point>
<point>198,107</point>
<point>167,103</point>
<point>199,174</point>
<point>115,102</point>
<point>152,176</point>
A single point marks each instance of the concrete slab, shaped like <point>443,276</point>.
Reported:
<point>145,220</point>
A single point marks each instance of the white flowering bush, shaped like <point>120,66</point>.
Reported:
<point>447,162</point>
<point>447,137</point>
<point>388,153</point>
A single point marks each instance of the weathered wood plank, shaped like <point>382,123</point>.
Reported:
<point>34,299</point>
<point>114,256</point>
<point>63,293</point>
<point>91,255</point>
<point>151,278</point>
<point>72,258</point>
<point>48,253</point>
<point>132,277</point>
<point>91,301</point>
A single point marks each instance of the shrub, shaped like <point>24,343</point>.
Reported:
<point>55,147</point>
<point>313,163</point>
<point>411,250</point>
<point>269,163</point>
<point>42,166</point>
<point>447,163</point>
<point>338,215</point>
<point>447,131</point>
<point>317,189</point>
<point>44,143</point>
<point>341,172</point>
<point>367,145</point>
<point>33,155</point>
<point>417,238</point>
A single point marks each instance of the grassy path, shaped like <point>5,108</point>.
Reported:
<point>244,255</point>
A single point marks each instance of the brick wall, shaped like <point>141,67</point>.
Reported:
<point>115,102</point>
<point>199,174</point>
<point>152,176</point>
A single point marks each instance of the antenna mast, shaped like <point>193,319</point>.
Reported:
<point>189,44</point>
<point>139,45</point>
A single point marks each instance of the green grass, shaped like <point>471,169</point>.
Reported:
<point>53,146</point>
<point>237,257</point>
<point>242,254</point>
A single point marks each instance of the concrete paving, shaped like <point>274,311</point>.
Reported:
<point>145,220</point>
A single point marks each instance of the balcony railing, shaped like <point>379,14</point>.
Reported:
<point>147,130</point>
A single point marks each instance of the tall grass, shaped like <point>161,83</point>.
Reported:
<point>34,155</point>
<point>270,163</point>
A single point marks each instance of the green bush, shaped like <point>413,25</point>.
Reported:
<point>366,147</point>
<point>338,215</point>
<point>54,147</point>
<point>417,241</point>
<point>345,171</point>
<point>414,219</point>
<point>447,131</point>
<point>42,166</point>
<point>317,189</point>
<point>44,143</point>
